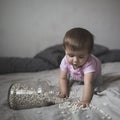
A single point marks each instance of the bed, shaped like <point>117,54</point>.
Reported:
<point>104,106</point>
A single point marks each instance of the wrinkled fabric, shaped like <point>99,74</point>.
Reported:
<point>106,105</point>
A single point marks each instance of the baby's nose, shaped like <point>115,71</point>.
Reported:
<point>75,59</point>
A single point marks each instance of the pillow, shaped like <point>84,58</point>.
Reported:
<point>111,56</point>
<point>99,50</point>
<point>15,64</point>
<point>52,55</point>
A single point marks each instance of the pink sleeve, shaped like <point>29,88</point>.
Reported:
<point>63,65</point>
<point>90,67</point>
<point>93,65</point>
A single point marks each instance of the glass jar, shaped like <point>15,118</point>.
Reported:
<point>23,96</point>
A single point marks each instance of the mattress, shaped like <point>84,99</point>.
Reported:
<point>104,106</point>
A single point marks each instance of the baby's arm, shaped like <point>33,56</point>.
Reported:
<point>63,84</point>
<point>87,89</point>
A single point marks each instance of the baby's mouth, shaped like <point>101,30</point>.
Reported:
<point>75,66</point>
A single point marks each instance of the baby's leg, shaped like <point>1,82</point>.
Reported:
<point>71,82</point>
<point>97,84</point>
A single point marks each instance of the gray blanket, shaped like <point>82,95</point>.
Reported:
<point>50,58</point>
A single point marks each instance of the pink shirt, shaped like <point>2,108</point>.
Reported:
<point>93,64</point>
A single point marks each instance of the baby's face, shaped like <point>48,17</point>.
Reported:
<point>76,58</point>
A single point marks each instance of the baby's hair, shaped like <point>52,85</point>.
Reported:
<point>78,39</point>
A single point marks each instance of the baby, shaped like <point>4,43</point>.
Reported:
<point>79,65</point>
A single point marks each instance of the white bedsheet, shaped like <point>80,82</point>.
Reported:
<point>106,106</point>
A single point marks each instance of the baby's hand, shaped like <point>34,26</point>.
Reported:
<point>84,103</point>
<point>61,95</point>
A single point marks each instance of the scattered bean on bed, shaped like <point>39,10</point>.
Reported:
<point>73,108</point>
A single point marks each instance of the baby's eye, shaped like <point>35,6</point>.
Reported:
<point>71,55</point>
<point>81,57</point>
